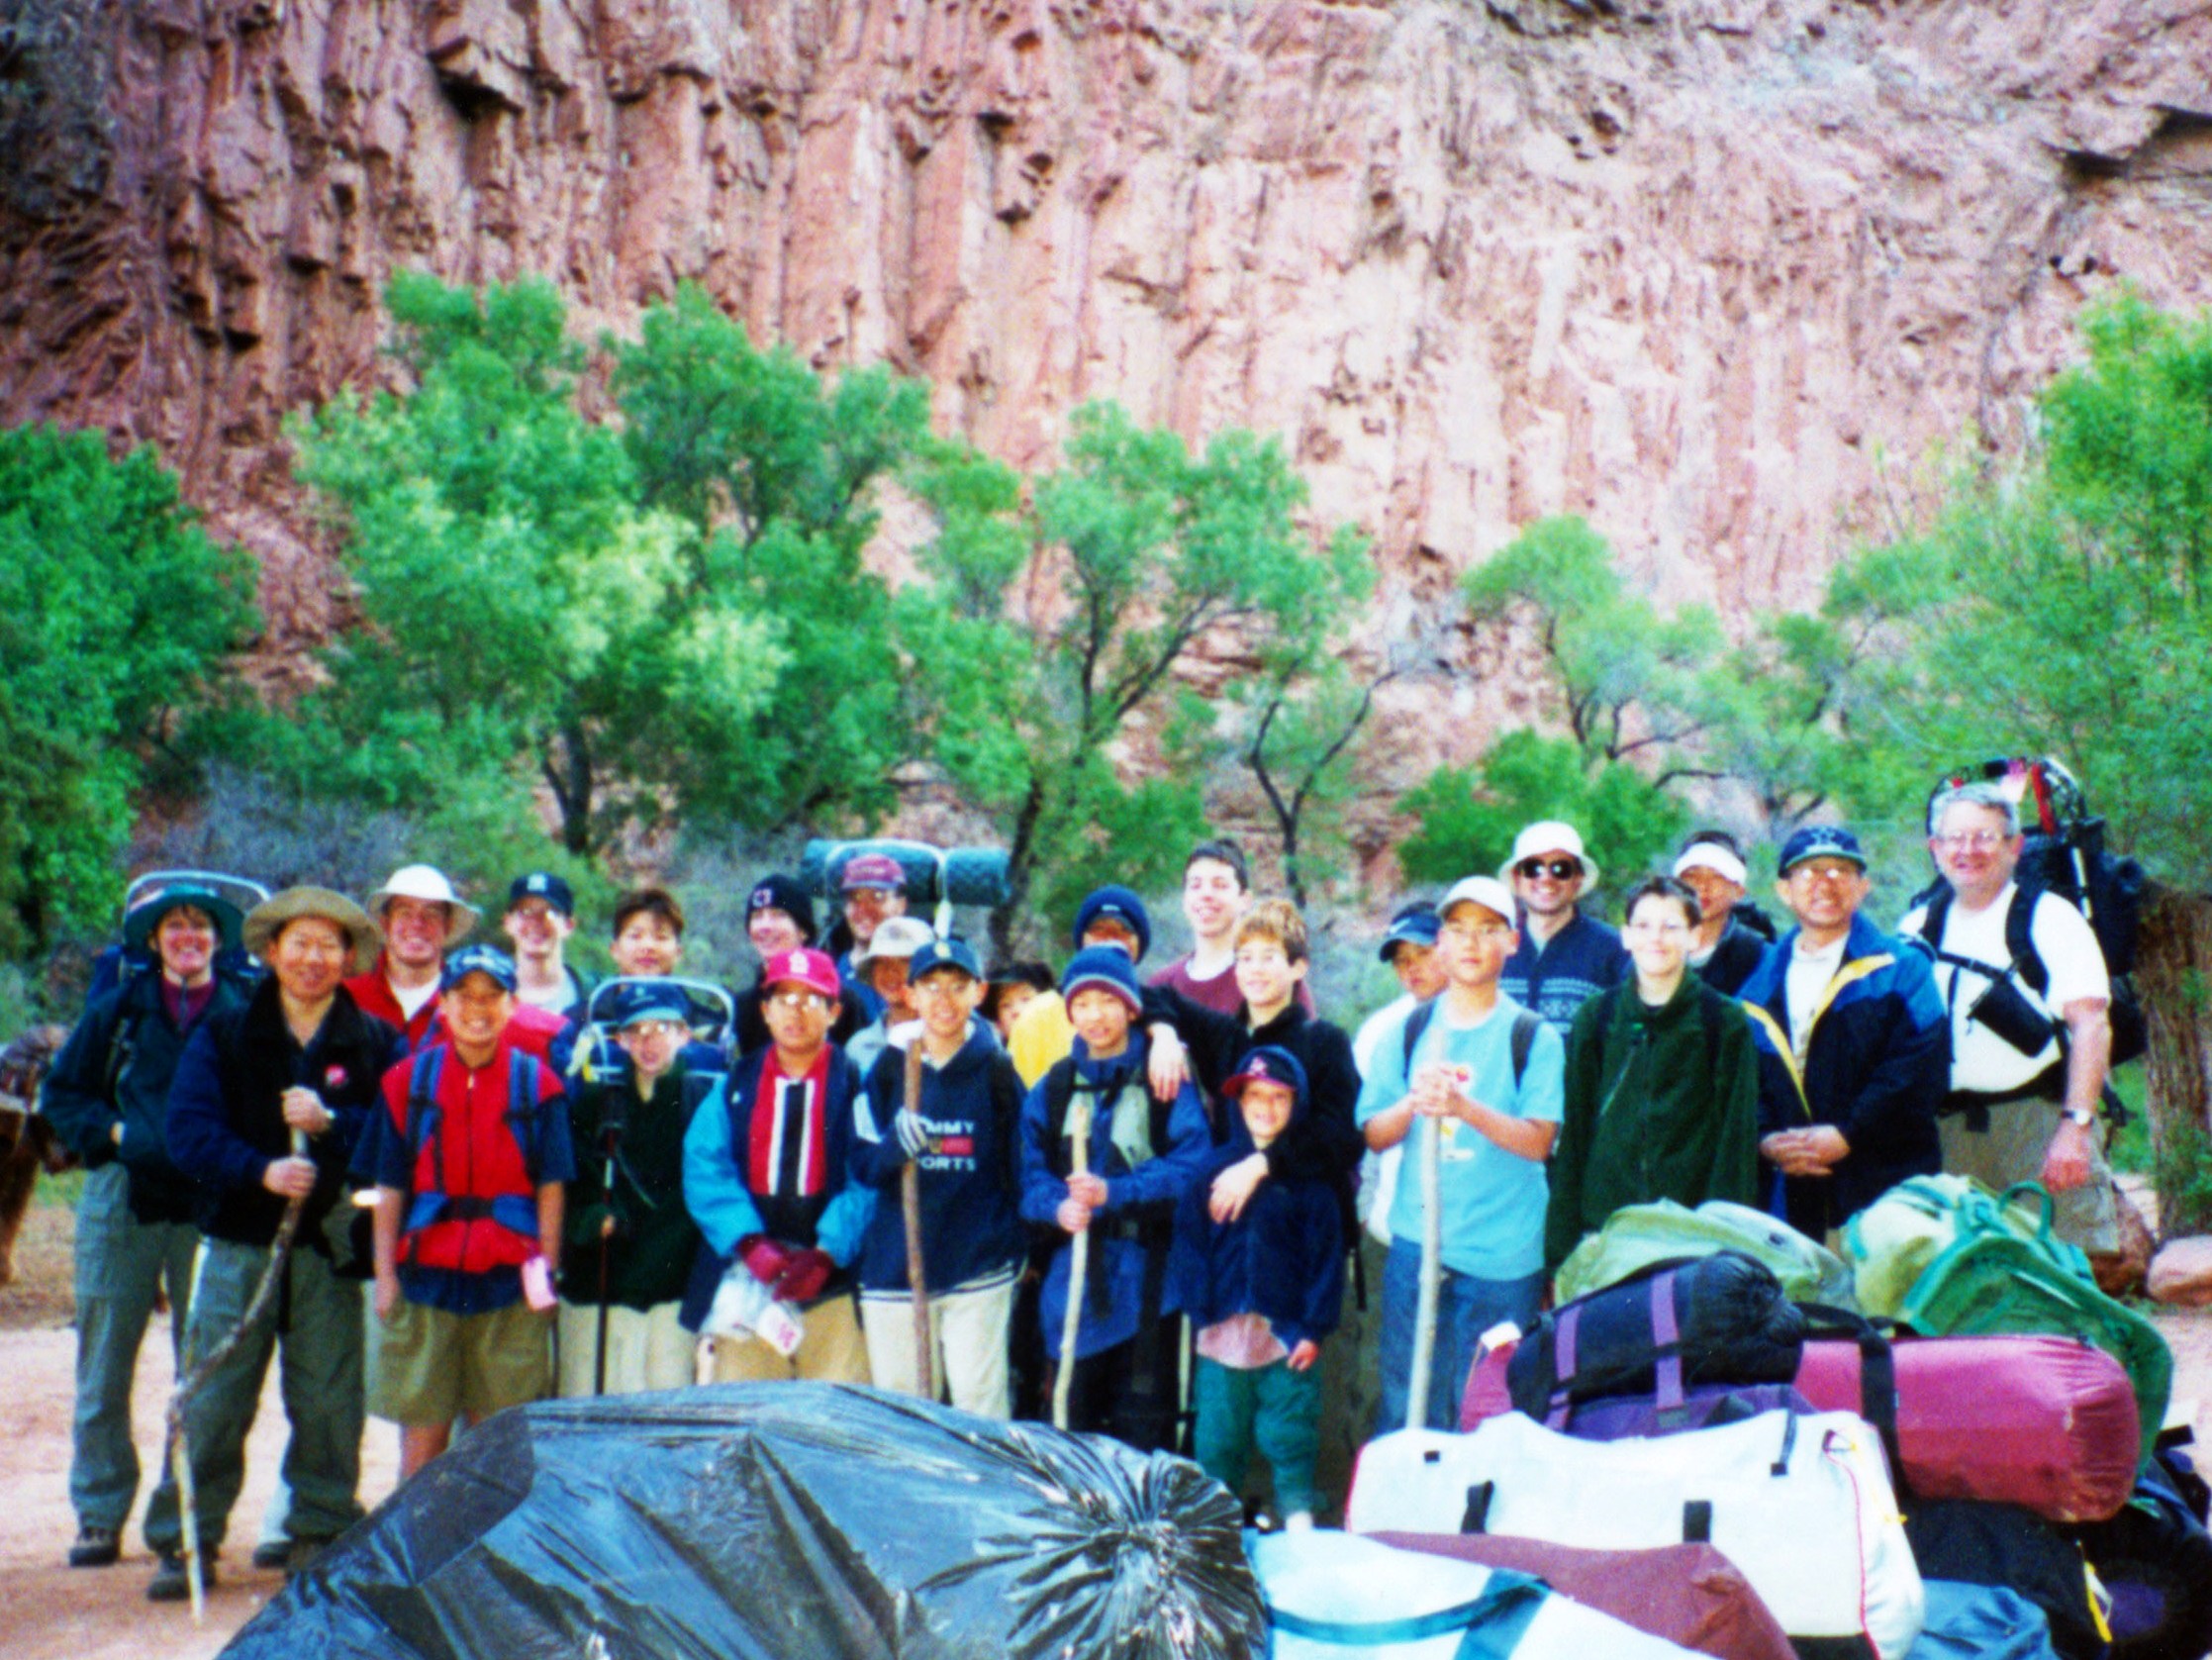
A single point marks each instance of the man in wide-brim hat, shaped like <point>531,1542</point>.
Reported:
<point>298,1066</point>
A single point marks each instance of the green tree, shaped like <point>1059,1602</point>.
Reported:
<point>529,619</point>
<point>778,479</point>
<point>115,616</point>
<point>2058,605</point>
<point>1469,815</point>
<point>1625,674</point>
<point>1048,632</point>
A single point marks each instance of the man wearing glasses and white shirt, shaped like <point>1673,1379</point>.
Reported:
<point>1563,958</point>
<point>2030,1038</point>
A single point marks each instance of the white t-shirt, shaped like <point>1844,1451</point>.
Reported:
<point>1980,1059</point>
<point>1378,1171</point>
<point>1803,985</point>
<point>412,997</point>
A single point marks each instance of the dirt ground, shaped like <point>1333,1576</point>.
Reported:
<point>51,1612</point>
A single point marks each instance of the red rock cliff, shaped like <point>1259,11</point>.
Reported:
<point>1715,274</point>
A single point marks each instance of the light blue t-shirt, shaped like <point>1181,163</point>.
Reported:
<point>1494,1200</point>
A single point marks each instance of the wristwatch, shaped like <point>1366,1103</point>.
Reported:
<point>2082,1116</point>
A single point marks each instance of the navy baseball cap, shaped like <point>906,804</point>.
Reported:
<point>1820,841</point>
<point>1413,924</point>
<point>544,885</point>
<point>479,959</point>
<point>651,1000</point>
<point>1269,1064</point>
<point>943,953</point>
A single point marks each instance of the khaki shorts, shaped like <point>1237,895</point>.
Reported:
<point>2011,1150</point>
<point>434,1366</point>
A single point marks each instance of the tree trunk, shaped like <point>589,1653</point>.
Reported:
<point>2173,973</point>
<point>1021,862</point>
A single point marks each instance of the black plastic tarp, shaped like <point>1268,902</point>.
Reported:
<point>778,1519</point>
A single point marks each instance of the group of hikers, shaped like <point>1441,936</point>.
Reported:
<point>1148,1206</point>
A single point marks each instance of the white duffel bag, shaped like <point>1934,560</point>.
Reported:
<point>1800,1503</point>
<point>1333,1597</point>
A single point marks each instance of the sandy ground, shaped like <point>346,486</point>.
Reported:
<point>51,1612</point>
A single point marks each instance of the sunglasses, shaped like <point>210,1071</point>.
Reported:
<point>1559,870</point>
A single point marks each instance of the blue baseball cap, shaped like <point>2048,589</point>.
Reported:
<point>1820,841</point>
<point>943,953</point>
<point>479,959</point>
<point>1413,924</point>
<point>544,885</point>
<point>1269,1064</point>
<point>647,999</point>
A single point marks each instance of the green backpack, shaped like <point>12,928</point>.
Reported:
<point>1640,1236</point>
<point>1981,1263</point>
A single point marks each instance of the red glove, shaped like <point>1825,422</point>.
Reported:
<point>768,1259</point>
<point>808,1272</point>
<point>793,1273</point>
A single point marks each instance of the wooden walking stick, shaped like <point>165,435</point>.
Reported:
<point>909,1201</point>
<point>1432,1275</point>
<point>180,1459</point>
<point>1079,1262</point>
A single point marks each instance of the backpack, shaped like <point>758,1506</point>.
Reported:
<point>516,1215</point>
<point>2156,1560</point>
<point>1521,1040</point>
<point>1981,1263</point>
<point>2062,853</point>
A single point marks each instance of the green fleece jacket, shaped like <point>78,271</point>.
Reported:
<point>649,1257</point>
<point>1661,1104</point>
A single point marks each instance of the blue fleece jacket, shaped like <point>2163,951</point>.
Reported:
<point>1131,1235</point>
<point>970,1178</point>
<point>1283,1258</point>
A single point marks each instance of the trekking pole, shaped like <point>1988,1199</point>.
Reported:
<point>180,1458</point>
<point>610,1129</point>
<point>1079,1262</point>
<point>1433,1278</point>
<point>909,1201</point>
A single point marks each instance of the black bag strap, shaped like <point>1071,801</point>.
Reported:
<point>1476,1518</point>
<point>1878,1375</point>
<point>1521,1040</point>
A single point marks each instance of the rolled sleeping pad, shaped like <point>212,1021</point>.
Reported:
<point>972,875</point>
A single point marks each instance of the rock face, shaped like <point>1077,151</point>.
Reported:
<point>1717,274</point>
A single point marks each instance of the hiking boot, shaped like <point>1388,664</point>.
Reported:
<point>169,1584</point>
<point>273,1553</point>
<point>96,1547</point>
<point>301,1554</point>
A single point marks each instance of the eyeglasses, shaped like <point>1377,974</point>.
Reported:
<point>796,1002</point>
<point>1979,841</point>
<point>651,1028</point>
<point>1559,870</point>
<point>939,988</point>
<point>1474,930</point>
<point>1823,870</point>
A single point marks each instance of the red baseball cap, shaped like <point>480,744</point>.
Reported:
<point>804,968</point>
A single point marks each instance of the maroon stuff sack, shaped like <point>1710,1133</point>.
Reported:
<point>2048,1424</point>
<point>1689,1595</point>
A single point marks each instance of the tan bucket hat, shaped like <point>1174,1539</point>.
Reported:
<point>267,918</point>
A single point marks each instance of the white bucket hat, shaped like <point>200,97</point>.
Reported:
<point>429,884</point>
<point>1549,836</point>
